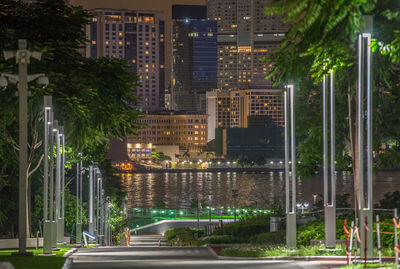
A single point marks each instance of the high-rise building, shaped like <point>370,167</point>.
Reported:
<point>138,37</point>
<point>164,13</point>
<point>232,109</point>
<point>194,57</point>
<point>245,37</point>
<point>186,129</point>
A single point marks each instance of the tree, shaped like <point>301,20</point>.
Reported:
<point>93,98</point>
<point>324,34</point>
<point>158,156</point>
<point>186,155</point>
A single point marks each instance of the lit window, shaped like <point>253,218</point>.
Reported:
<point>120,33</point>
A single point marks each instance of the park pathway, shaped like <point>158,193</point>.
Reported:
<point>170,257</point>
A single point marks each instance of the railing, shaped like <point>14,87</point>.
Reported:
<point>143,216</point>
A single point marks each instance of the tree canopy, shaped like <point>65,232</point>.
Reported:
<point>94,99</point>
<point>322,37</point>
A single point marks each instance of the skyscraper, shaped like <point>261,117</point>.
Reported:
<point>245,36</point>
<point>138,37</point>
<point>194,57</point>
<point>232,109</point>
<point>165,14</point>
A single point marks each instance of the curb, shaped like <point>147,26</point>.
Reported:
<point>70,252</point>
<point>68,261</point>
<point>285,258</point>
<point>67,264</point>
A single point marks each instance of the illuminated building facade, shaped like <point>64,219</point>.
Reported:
<point>194,57</point>
<point>245,36</point>
<point>232,109</point>
<point>188,130</point>
<point>138,37</point>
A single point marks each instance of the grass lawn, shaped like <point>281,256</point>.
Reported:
<point>261,251</point>
<point>35,261</point>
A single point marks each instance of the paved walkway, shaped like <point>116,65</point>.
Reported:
<point>171,257</point>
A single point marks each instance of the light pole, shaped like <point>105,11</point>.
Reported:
<point>98,206</point>
<point>209,209</point>
<point>63,183</point>
<point>22,56</point>
<point>58,185</point>
<point>329,202</point>
<point>101,214</point>
<point>365,204</point>
<point>52,201</point>
<point>302,206</point>
<point>289,97</point>
<point>234,196</point>
<point>91,199</point>
<point>78,198</point>
<point>46,220</point>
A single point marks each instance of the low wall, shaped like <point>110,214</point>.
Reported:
<point>13,243</point>
<point>161,226</point>
<point>30,243</point>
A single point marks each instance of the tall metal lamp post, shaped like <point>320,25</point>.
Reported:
<point>91,228</point>
<point>365,204</point>
<point>235,195</point>
<point>79,174</point>
<point>59,165</point>
<point>54,128</point>
<point>289,98</point>
<point>22,57</point>
<point>46,221</point>
<point>329,202</point>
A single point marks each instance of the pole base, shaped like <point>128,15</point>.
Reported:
<point>47,238</point>
<point>47,255</point>
<point>60,230</point>
<point>78,233</point>
<point>291,242</point>
<point>370,244</point>
<point>54,234</point>
<point>330,227</point>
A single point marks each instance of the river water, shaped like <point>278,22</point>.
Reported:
<point>176,190</point>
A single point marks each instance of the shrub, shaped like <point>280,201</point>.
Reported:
<point>270,239</point>
<point>244,229</point>
<point>218,239</point>
<point>180,236</point>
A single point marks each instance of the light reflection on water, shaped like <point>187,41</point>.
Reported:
<point>176,190</point>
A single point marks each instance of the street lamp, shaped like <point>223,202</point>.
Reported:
<point>302,206</point>
<point>22,57</point>
<point>54,127</point>
<point>59,235</point>
<point>60,185</point>
<point>365,204</point>
<point>209,208</point>
<point>63,183</point>
<point>46,221</point>
<point>234,196</point>
<point>329,204</point>
<point>289,98</point>
<point>79,169</point>
<point>91,199</point>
